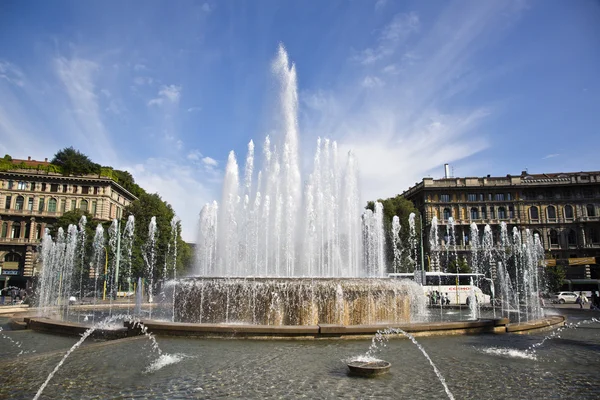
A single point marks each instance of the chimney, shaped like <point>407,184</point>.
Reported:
<point>446,171</point>
<point>28,158</point>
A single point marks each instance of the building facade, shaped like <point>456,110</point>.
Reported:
<point>31,200</point>
<point>562,208</point>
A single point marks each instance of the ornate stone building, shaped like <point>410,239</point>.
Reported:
<point>563,208</point>
<point>32,199</point>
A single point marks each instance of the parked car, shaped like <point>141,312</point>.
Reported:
<point>564,297</point>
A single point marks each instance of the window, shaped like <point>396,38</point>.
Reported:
<point>492,212</point>
<point>480,196</point>
<point>572,238</point>
<point>508,196</point>
<point>474,213</point>
<point>591,210</point>
<point>52,205</point>
<point>551,211</point>
<point>43,187</point>
<point>10,184</point>
<point>593,235</point>
<point>472,197</point>
<point>447,213</point>
<point>15,231</point>
<point>64,188</point>
<point>445,198</point>
<point>511,212</point>
<point>38,231</point>
<point>96,189</point>
<point>41,205</point>
<point>27,230</point>
<point>19,203</point>
<point>74,189</point>
<point>54,187</point>
<point>85,189</point>
<point>534,213</point>
<point>483,212</point>
<point>83,205</point>
<point>7,202</point>
<point>63,205</point>
<point>501,213</point>
<point>568,211</point>
<point>490,197</point>
<point>499,196</point>
<point>22,185</point>
<point>4,229</point>
<point>119,212</point>
<point>30,204</point>
<point>32,186</point>
<point>553,238</point>
<point>73,204</point>
<point>94,205</point>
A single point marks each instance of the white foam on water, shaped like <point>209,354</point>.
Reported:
<point>163,361</point>
<point>508,352</point>
<point>361,358</point>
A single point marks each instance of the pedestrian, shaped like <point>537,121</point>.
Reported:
<point>579,300</point>
<point>594,302</point>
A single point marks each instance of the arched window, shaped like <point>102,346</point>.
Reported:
<point>447,213</point>
<point>38,231</point>
<point>83,205</point>
<point>474,213</point>
<point>568,212</point>
<point>483,213</point>
<point>553,238</point>
<point>572,238</point>
<point>591,210</point>
<point>551,211</point>
<point>19,203</point>
<point>534,213</point>
<point>12,257</point>
<point>593,236</point>
<point>501,213</point>
<point>4,229</point>
<point>52,205</point>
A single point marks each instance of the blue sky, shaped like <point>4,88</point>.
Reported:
<point>166,89</point>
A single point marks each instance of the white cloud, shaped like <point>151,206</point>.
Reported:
<point>209,162</point>
<point>206,7</point>
<point>166,94</point>
<point>85,119</point>
<point>372,82</point>
<point>179,184</point>
<point>194,155</point>
<point>143,80</point>
<point>140,67</point>
<point>194,109</point>
<point>11,73</point>
<point>551,156</point>
<point>379,4</point>
<point>392,35</point>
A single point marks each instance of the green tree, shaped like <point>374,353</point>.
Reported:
<point>143,209</point>
<point>401,207</point>
<point>74,162</point>
<point>554,277</point>
<point>459,266</point>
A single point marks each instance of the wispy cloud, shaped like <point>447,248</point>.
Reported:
<point>550,156</point>
<point>391,36</point>
<point>11,73</point>
<point>85,119</point>
<point>166,94</point>
<point>379,4</point>
<point>372,82</point>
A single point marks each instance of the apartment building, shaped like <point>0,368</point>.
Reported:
<point>562,208</point>
<point>31,200</point>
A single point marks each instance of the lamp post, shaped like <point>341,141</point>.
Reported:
<point>118,258</point>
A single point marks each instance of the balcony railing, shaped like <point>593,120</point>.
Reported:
<point>19,241</point>
<point>13,211</point>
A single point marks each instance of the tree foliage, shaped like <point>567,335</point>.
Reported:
<point>73,162</point>
<point>554,277</point>
<point>401,207</point>
<point>459,266</point>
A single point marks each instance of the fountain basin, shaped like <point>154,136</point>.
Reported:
<point>295,301</point>
<point>369,368</point>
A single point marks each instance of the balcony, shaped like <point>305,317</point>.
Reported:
<point>19,241</point>
<point>33,213</point>
<point>588,219</point>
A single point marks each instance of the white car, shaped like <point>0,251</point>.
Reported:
<point>564,297</point>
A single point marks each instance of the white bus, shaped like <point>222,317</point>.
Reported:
<point>455,287</point>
